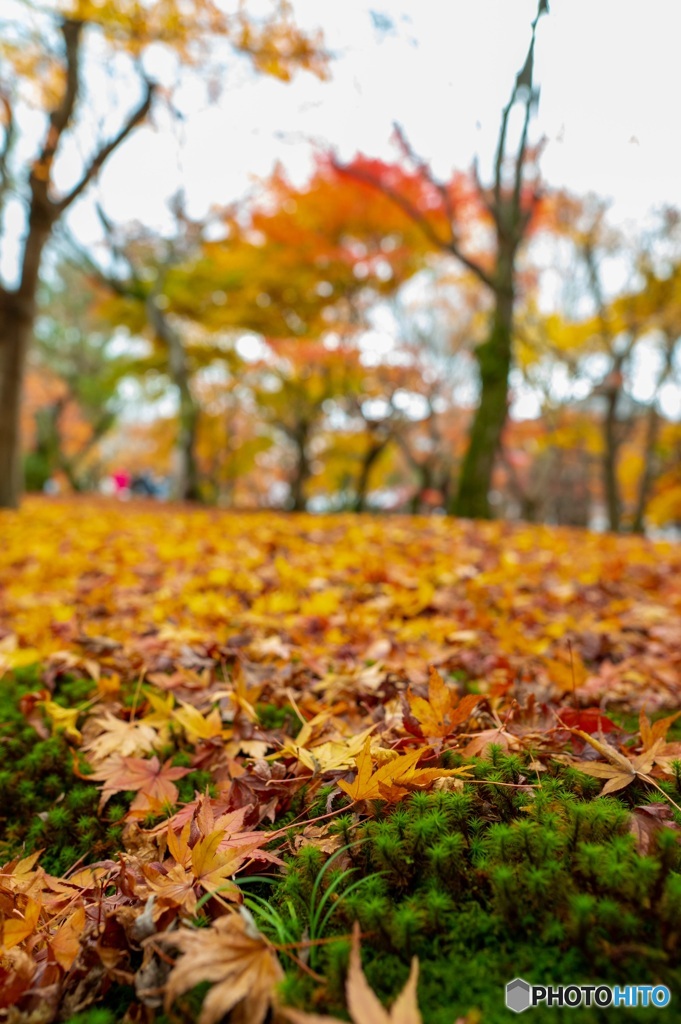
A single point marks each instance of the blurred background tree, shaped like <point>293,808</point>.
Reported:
<point>46,58</point>
<point>372,334</point>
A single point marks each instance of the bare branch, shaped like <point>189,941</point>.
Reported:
<point>499,158</point>
<point>523,83</point>
<point>520,164</point>
<point>425,169</point>
<point>9,125</point>
<point>95,165</point>
<point>62,113</point>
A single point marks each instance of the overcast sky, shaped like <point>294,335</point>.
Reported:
<point>609,73</point>
<point>610,87</point>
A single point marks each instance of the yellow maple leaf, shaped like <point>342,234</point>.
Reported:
<point>324,755</point>
<point>195,725</point>
<point>16,929</point>
<point>394,778</point>
<point>63,718</point>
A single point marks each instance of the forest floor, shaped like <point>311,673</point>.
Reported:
<point>268,765</point>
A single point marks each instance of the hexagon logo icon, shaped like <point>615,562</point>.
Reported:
<point>517,995</point>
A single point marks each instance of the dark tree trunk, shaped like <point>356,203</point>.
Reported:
<point>187,483</point>
<point>15,333</point>
<point>17,317</point>
<point>368,462</point>
<point>301,473</point>
<point>494,362</point>
<point>611,446</point>
<point>187,473</point>
<point>511,208</point>
<point>425,474</point>
<point>646,481</point>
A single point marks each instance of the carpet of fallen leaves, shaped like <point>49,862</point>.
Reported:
<point>391,639</point>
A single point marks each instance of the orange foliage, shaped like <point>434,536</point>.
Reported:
<point>365,628</point>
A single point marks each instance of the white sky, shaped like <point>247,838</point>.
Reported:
<point>610,80</point>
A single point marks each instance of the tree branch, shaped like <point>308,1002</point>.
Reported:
<point>416,216</point>
<point>62,113</point>
<point>95,165</point>
<point>9,125</point>
<point>81,258</point>
<point>523,81</point>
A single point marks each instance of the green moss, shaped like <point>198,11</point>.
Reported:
<point>44,804</point>
<point>283,718</point>
<point>484,887</point>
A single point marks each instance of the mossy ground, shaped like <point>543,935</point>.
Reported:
<point>490,883</point>
<point>44,803</point>
<point>514,873</point>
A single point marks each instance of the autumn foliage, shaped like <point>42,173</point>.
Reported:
<point>259,695</point>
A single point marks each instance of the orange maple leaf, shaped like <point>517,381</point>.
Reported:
<point>443,711</point>
<point>65,943</point>
<point>16,929</point>
<point>209,864</point>
<point>394,778</point>
<point>652,732</point>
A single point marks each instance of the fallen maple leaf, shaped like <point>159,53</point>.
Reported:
<point>328,755</point>
<point>202,809</point>
<point>196,726</point>
<point>236,958</point>
<point>620,770</point>
<point>443,711</point>
<point>115,736</point>
<point>499,737</point>
<point>152,781</point>
<point>589,720</point>
<point>363,1004</point>
<point>63,719</point>
<point>210,863</point>
<point>651,733</point>
<point>394,778</point>
<point>65,943</point>
<point>647,822</point>
<point>16,929</point>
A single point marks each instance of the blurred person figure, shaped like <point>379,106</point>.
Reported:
<point>144,485</point>
<point>51,486</point>
<point>121,480</point>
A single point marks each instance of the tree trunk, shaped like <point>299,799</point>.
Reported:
<point>370,457</point>
<point>301,475</point>
<point>16,329</point>
<point>646,481</point>
<point>494,362</point>
<point>187,481</point>
<point>187,484</point>
<point>425,483</point>
<point>611,444</point>
<point>18,307</point>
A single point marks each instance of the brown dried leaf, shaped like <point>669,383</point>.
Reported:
<point>238,961</point>
<point>363,1004</point>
